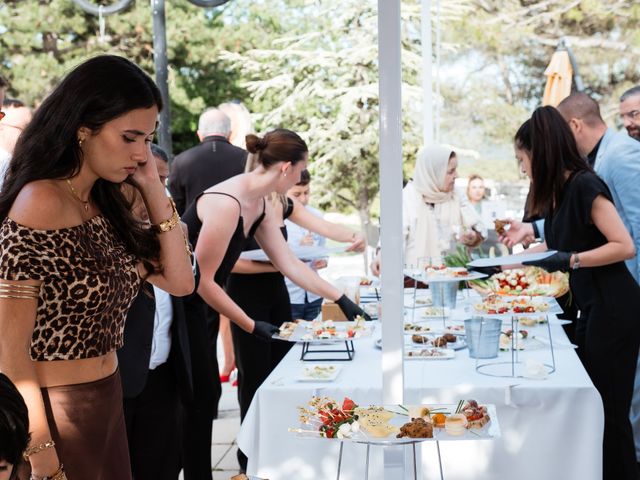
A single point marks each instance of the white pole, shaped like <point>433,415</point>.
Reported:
<point>427,72</point>
<point>390,215</point>
<point>438,95</point>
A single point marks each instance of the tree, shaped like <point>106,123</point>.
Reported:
<point>321,80</point>
<point>44,39</point>
<point>506,46</point>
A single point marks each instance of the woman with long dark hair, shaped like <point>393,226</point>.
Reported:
<point>582,224</point>
<point>72,259</point>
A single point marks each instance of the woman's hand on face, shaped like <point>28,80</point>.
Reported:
<point>357,244</point>
<point>147,173</point>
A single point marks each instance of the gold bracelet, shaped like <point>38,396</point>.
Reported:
<point>16,290</point>
<point>58,475</point>
<point>37,449</point>
<point>169,224</point>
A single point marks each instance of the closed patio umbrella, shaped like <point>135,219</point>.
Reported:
<point>559,74</point>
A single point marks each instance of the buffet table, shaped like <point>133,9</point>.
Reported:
<point>551,428</point>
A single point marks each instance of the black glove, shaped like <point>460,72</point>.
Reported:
<point>264,330</point>
<point>350,309</point>
<point>486,270</point>
<point>553,263</point>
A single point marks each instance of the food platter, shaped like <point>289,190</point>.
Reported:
<point>328,331</point>
<point>397,424</point>
<point>500,306</point>
<point>435,312</point>
<point>533,281</point>
<point>428,353</point>
<point>416,327</point>
<point>449,341</point>
<point>320,372</point>
<point>523,341</point>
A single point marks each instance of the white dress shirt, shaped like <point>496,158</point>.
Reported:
<point>295,234</point>
<point>161,343</point>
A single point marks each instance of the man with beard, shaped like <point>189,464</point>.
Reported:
<point>630,111</point>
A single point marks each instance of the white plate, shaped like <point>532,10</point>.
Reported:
<point>321,372</point>
<point>303,252</point>
<point>510,259</point>
<point>459,344</point>
<point>447,353</point>
<point>427,328</point>
<point>435,312</point>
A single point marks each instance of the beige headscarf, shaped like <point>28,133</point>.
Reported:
<point>428,227</point>
<point>429,173</point>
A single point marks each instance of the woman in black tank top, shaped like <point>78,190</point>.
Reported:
<point>221,221</point>
<point>260,290</point>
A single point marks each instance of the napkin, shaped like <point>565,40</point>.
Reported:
<point>535,370</point>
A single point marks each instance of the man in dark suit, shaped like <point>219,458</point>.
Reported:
<point>154,394</point>
<point>156,373</point>
<point>212,161</point>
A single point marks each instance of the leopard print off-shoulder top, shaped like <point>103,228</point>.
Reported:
<point>89,281</point>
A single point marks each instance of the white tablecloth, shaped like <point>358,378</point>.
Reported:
<point>551,429</point>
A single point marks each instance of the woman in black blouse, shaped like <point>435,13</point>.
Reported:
<point>582,224</point>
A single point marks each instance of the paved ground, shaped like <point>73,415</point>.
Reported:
<point>225,428</point>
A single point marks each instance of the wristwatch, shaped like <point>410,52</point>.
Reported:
<point>576,261</point>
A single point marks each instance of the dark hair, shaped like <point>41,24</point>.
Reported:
<point>159,152</point>
<point>14,423</point>
<point>632,92</point>
<point>305,178</point>
<point>3,82</point>
<point>553,150</point>
<point>97,91</point>
<point>279,145</point>
<point>13,102</point>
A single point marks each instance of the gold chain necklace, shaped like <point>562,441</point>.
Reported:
<point>75,194</point>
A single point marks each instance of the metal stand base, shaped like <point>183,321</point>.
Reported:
<point>413,449</point>
<point>483,367</point>
<point>310,354</point>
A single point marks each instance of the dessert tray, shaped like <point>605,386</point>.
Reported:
<point>326,418</point>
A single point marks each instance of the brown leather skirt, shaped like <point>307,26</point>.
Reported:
<point>87,424</point>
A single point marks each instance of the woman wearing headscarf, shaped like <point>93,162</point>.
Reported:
<point>433,215</point>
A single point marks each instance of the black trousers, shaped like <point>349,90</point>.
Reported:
<point>264,297</point>
<point>153,427</point>
<point>608,348</point>
<point>200,413</point>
